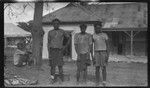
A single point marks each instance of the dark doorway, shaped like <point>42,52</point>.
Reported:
<point>121,43</point>
<point>120,48</point>
<point>118,42</point>
<point>68,51</point>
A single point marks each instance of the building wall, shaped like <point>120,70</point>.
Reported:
<point>139,44</point>
<point>12,41</point>
<point>139,48</point>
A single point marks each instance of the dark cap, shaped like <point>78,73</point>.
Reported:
<point>98,24</point>
<point>55,20</point>
<point>83,25</point>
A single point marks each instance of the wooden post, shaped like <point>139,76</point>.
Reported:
<point>74,54</point>
<point>4,42</point>
<point>131,43</point>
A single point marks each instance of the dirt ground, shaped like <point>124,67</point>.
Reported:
<point>118,74</point>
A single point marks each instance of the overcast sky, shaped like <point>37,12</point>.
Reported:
<point>29,11</point>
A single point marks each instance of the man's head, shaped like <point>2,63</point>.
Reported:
<point>97,27</point>
<point>56,23</point>
<point>20,45</point>
<point>83,28</point>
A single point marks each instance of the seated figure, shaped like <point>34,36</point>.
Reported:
<point>28,53</point>
<point>19,55</point>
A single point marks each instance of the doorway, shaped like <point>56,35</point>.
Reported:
<point>118,39</point>
<point>68,52</point>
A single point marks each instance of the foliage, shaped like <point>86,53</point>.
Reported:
<point>25,26</point>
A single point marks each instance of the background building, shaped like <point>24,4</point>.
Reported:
<point>125,24</point>
<point>12,35</point>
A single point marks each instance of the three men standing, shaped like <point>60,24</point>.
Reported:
<point>84,43</point>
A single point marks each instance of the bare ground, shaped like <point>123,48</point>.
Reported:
<point>118,74</point>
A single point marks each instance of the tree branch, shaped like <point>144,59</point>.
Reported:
<point>6,6</point>
<point>24,7</point>
<point>24,26</point>
<point>15,7</point>
<point>13,13</point>
<point>30,5</point>
<point>10,12</point>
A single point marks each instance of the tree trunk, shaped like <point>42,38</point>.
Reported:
<point>37,34</point>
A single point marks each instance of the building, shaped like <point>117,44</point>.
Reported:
<point>12,35</point>
<point>126,25</point>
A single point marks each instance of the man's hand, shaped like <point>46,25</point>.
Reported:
<point>94,61</point>
<point>107,53</point>
<point>48,47</point>
<point>64,48</point>
<point>107,56</point>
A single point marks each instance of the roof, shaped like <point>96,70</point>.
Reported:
<point>11,30</point>
<point>70,13</point>
<point>128,15</point>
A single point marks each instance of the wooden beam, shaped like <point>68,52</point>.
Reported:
<point>92,22</point>
<point>127,33</point>
<point>124,29</point>
<point>136,33</point>
<point>131,43</point>
<point>71,23</point>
